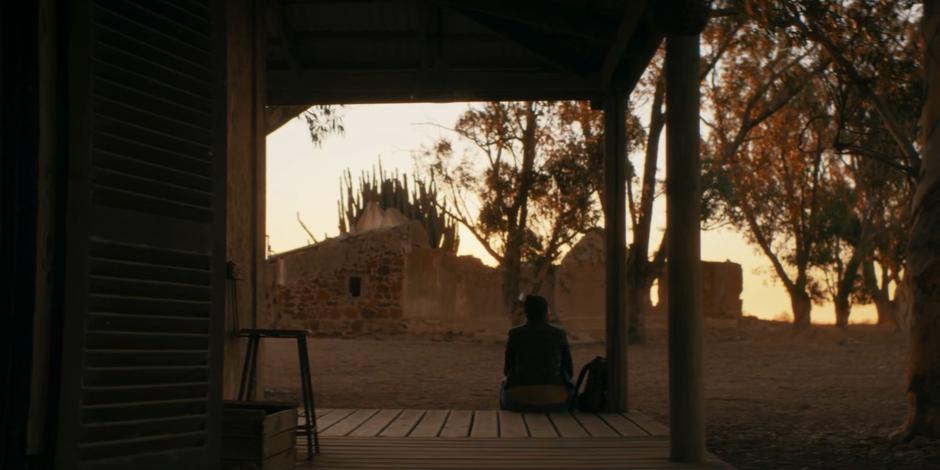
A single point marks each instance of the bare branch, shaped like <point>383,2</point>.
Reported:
<point>473,231</point>
<point>313,239</point>
<point>862,84</point>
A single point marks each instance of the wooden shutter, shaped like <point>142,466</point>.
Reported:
<point>145,235</point>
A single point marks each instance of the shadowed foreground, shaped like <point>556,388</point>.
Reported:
<point>823,399</point>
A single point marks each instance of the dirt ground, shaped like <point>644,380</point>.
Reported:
<point>821,399</point>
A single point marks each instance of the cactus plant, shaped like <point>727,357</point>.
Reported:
<point>415,199</point>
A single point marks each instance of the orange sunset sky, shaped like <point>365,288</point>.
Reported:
<point>306,179</point>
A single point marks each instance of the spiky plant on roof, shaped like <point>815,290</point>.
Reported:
<point>415,199</point>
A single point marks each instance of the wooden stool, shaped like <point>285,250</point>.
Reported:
<point>249,374</point>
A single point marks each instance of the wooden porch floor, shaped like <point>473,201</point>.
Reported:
<point>489,439</point>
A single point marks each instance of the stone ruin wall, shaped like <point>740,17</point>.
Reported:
<point>580,285</point>
<point>406,287</point>
<point>444,293</point>
<point>310,287</point>
<point>722,284</point>
<point>579,288</point>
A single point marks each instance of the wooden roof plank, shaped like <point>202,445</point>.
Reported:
<point>277,116</point>
<point>284,31</point>
<point>544,46</point>
<point>628,24</point>
<point>354,87</point>
<point>529,50</point>
<point>567,20</point>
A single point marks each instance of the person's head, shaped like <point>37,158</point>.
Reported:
<point>536,307</point>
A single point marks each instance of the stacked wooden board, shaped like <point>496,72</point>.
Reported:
<point>259,435</point>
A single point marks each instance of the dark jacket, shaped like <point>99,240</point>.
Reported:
<point>537,353</point>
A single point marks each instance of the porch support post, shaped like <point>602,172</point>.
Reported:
<point>683,206</point>
<point>615,230</point>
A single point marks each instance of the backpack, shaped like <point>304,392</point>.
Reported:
<point>594,396</point>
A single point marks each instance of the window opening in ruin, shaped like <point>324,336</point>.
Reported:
<point>355,286</point>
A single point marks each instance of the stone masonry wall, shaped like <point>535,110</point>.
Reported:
<point>444,293</point>
<point>722,284</point>
<point>580,284</point>
<point>314,287</point>
<point>580,301</point>
<point>407,287</point>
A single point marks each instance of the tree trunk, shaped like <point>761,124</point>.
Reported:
<point>886,309</point>
<point>519,214</point>
<point>802,307</point>
<point>846,284</point>
<point>843,310</point>
<point>843,306</point>
<point>903,302</point>
<point>639,305</point>
<point>511,282</point>
<point>639,284</point>
<point>887,314</point>
<point>923,361</point>
<point>640,275</point>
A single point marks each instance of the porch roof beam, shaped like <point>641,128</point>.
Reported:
<point>277,116</point>
<point>569,21</point>
<point>283,30</point>
<point>361,87</point>
<point>543,45</point>
<point>615,53</point>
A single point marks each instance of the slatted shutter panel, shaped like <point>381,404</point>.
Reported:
<point>145,230</point>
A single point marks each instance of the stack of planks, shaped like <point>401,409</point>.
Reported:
<point>258,435</point>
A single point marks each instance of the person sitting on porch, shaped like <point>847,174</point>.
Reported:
<point>538,364</point>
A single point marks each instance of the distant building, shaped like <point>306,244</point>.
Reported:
<point>722,284</point>
<point>383,278</point>
<point>579,298</point>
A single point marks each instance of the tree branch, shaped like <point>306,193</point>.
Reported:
<point>719,51</point>
<point>473,231</point>
<point>764,245</point>
<point>890,121</point>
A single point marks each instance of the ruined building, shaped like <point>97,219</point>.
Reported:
<point>579,301</point>
<point>384,278</point>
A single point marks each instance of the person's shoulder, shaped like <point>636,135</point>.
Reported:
<point>557,329</point>
<point>516,329</point>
